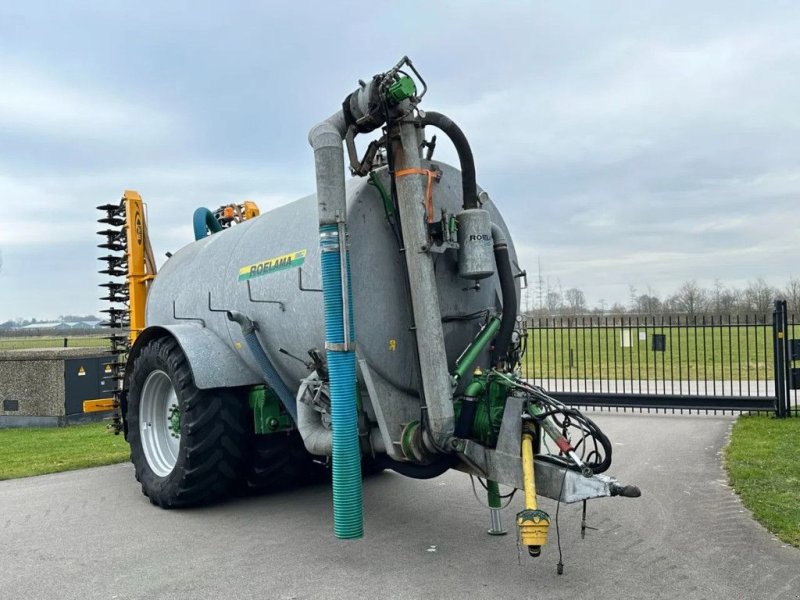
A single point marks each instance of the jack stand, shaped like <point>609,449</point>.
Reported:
<point>584,526</point>
<point>495,516</point>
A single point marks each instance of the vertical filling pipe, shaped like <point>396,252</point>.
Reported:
<point>326,139</point>
<point>436,382</point>
<point>348,519</point>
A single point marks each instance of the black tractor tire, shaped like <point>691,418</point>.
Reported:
<point>212,432</point>
<point>278,462</point>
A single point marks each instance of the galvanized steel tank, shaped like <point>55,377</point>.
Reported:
<point>257,268</point>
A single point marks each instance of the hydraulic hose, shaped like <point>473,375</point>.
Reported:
<point>348,518</point>
<point>469,186</point>
<point>203,221</point>
<point>469,406</point>
<point>434,469</point>
<point>267,368</point>
<point>508,289</point>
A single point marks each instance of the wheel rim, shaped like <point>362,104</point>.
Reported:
<point>159,423</point>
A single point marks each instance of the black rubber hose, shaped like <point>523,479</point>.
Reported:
<point>469,186</point>
<point>415,471</point>
<point>502,341</point>
<point>469,407</point>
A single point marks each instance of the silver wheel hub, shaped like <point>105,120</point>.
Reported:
<point>159,423</point>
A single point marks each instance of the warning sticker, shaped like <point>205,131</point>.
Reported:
<point>81,371</point>
<point>272,265</point>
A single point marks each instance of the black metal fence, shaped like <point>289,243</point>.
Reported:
<point>699,363</point>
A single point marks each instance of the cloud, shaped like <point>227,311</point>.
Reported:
<point>61,209</point>
<point>645,145</point>
<point>634,97</point>
<point>33,102</point>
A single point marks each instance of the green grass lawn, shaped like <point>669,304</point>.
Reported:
<point>26,452</point>
<point>21,342</point>
<point>692,353</point>
<point>763,469</point>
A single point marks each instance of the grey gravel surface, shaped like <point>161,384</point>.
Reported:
<point>91,534</point>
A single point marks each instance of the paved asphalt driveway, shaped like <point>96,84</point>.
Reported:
<point>91,534</point>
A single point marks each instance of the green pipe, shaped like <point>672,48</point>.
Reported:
<point>495,504</point>
<point>493,491</point>
<point>474,389</point>
<point>478,345</point>
<point>387,201</point>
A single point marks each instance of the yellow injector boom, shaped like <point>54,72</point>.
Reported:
<point>141,264</point>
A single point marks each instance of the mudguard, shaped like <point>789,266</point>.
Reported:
<point>214,364</point>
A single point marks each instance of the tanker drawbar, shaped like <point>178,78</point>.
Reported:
<point>372,325</point>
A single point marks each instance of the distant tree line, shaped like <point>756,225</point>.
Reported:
<point>689,300</point>
<point>22,322</point>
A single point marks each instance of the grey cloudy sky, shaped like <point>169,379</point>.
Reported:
<point>628,143</point>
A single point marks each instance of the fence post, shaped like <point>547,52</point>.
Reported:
<point>779,357</point>
<point>787,358</point>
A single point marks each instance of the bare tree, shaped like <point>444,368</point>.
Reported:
<point>690,299</point>
<point>647,304</point>
<point>554,302</point>
<point>759,296</point>
<point>632,297</point>
<point>540,291</point>
<point>717,293</point>
<point>730,301</point>
<point>792,295</point>
<point>575,301</point>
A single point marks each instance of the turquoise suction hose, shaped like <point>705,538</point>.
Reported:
<point>203,221</point>
<point>348,517</point>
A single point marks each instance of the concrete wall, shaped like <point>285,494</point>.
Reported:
<point>32,390</point>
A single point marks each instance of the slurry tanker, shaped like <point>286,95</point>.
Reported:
<point>370,326</point>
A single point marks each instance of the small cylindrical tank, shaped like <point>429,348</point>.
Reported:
<point>268,268</point>
<point>475,257</point>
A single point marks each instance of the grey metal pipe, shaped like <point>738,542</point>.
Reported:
<point>424,291</point>
<point>498,237</point>
<point>317,438</point>
<point>326,139</point>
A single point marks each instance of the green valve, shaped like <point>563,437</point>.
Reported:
<point>268,414</point>
<point>400,90</point>
<point>491,393</point>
